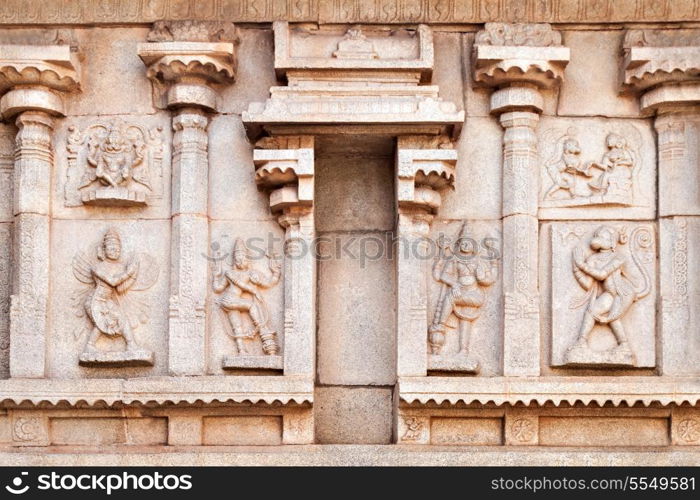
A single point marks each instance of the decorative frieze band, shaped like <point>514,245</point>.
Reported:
<point>348,11</point>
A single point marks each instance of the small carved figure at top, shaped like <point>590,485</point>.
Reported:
<point>535,35</point>
<point>113,164</point>
<point>241,296</point>
<point>355,45</point>
<point>108,302</point>
<point>610,292</point>
<point>463,277</point>
<point>576,183</point>
<point>193,31</point>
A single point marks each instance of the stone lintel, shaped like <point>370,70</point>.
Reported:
<point>353,48</point>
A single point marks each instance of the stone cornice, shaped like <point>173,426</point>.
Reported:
<point>158,391</point>
<point>506,54</point>
<point>543,390</point>
<point>348,11</point>
<point>50,66</point>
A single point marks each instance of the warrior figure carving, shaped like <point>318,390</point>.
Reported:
<point>604,274</point>
<point>240,288</point>
<point>108,303</point>
<point>463,277</point>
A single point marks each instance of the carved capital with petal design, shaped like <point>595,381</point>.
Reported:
<point>32,77</point>
<point>505,54</point>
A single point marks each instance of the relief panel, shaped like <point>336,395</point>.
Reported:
<point>603,294</point>
<point>593,168</point>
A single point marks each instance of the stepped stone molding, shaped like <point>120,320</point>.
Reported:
<point>338,85</point>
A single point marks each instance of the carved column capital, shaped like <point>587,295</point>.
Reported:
<point>425,166</point>
<point>33,78</point>
<point>285,169</point>
<point>513,54</point>
<point>187,60</point>
<point>663,67</point>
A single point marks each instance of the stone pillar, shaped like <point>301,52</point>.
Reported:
<point>285,169</point>
<point>658,66</point>
<point>518,71</point>
<point>521,323</point>
<point>422,170</point>
<point>185,72</point>
<point>39,76</point>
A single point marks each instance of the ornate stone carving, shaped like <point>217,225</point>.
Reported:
<point>573,181</point>
<point>368,76</point>
<point>29,429</point>
<point>355,45</point>
<point>108,301</point>
<point>463,277</point>
<point>347,11</point>
<point>114,163</point>
<point>664,66</point>
<point>193,31</point>
<point>244,309</point>
<point>614,276</point>
<point>415,427</point>
<point>523,53</point>
<point>425,166</point>
<point>183,72</point>
<point>531,35</point>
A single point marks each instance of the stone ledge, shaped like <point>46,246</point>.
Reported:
<point>351,455</point>
<point>159,390</point>
<point>557,390</point>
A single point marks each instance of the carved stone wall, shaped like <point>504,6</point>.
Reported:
<point>448,223</point>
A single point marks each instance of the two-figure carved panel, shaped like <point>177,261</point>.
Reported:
<point>603,294</point>
<point>595,168</point>
<point>114,163</point>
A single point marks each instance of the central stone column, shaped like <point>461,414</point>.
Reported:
<point>185,73</point>
<point>518,70</point>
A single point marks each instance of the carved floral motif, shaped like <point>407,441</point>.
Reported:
<point>533,35</point>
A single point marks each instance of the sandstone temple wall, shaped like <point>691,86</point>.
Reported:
<point>297,224</point>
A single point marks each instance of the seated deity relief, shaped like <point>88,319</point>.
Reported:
<point>109,302</point>
<point>464,277</point>
<point>573,180</point>
<point>244,310</point>
<point>612,269</point>
<point>113,164</point>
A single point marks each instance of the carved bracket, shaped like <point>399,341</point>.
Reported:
<point>519,53</point>
<point>36,70</point>
<point>288,172</point>
<point>423,171</point>
<point>663,66</point>
<point>182,72</point>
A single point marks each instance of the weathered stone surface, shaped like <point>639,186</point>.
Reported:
<point>353,415</point>
<point>162,189</point>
